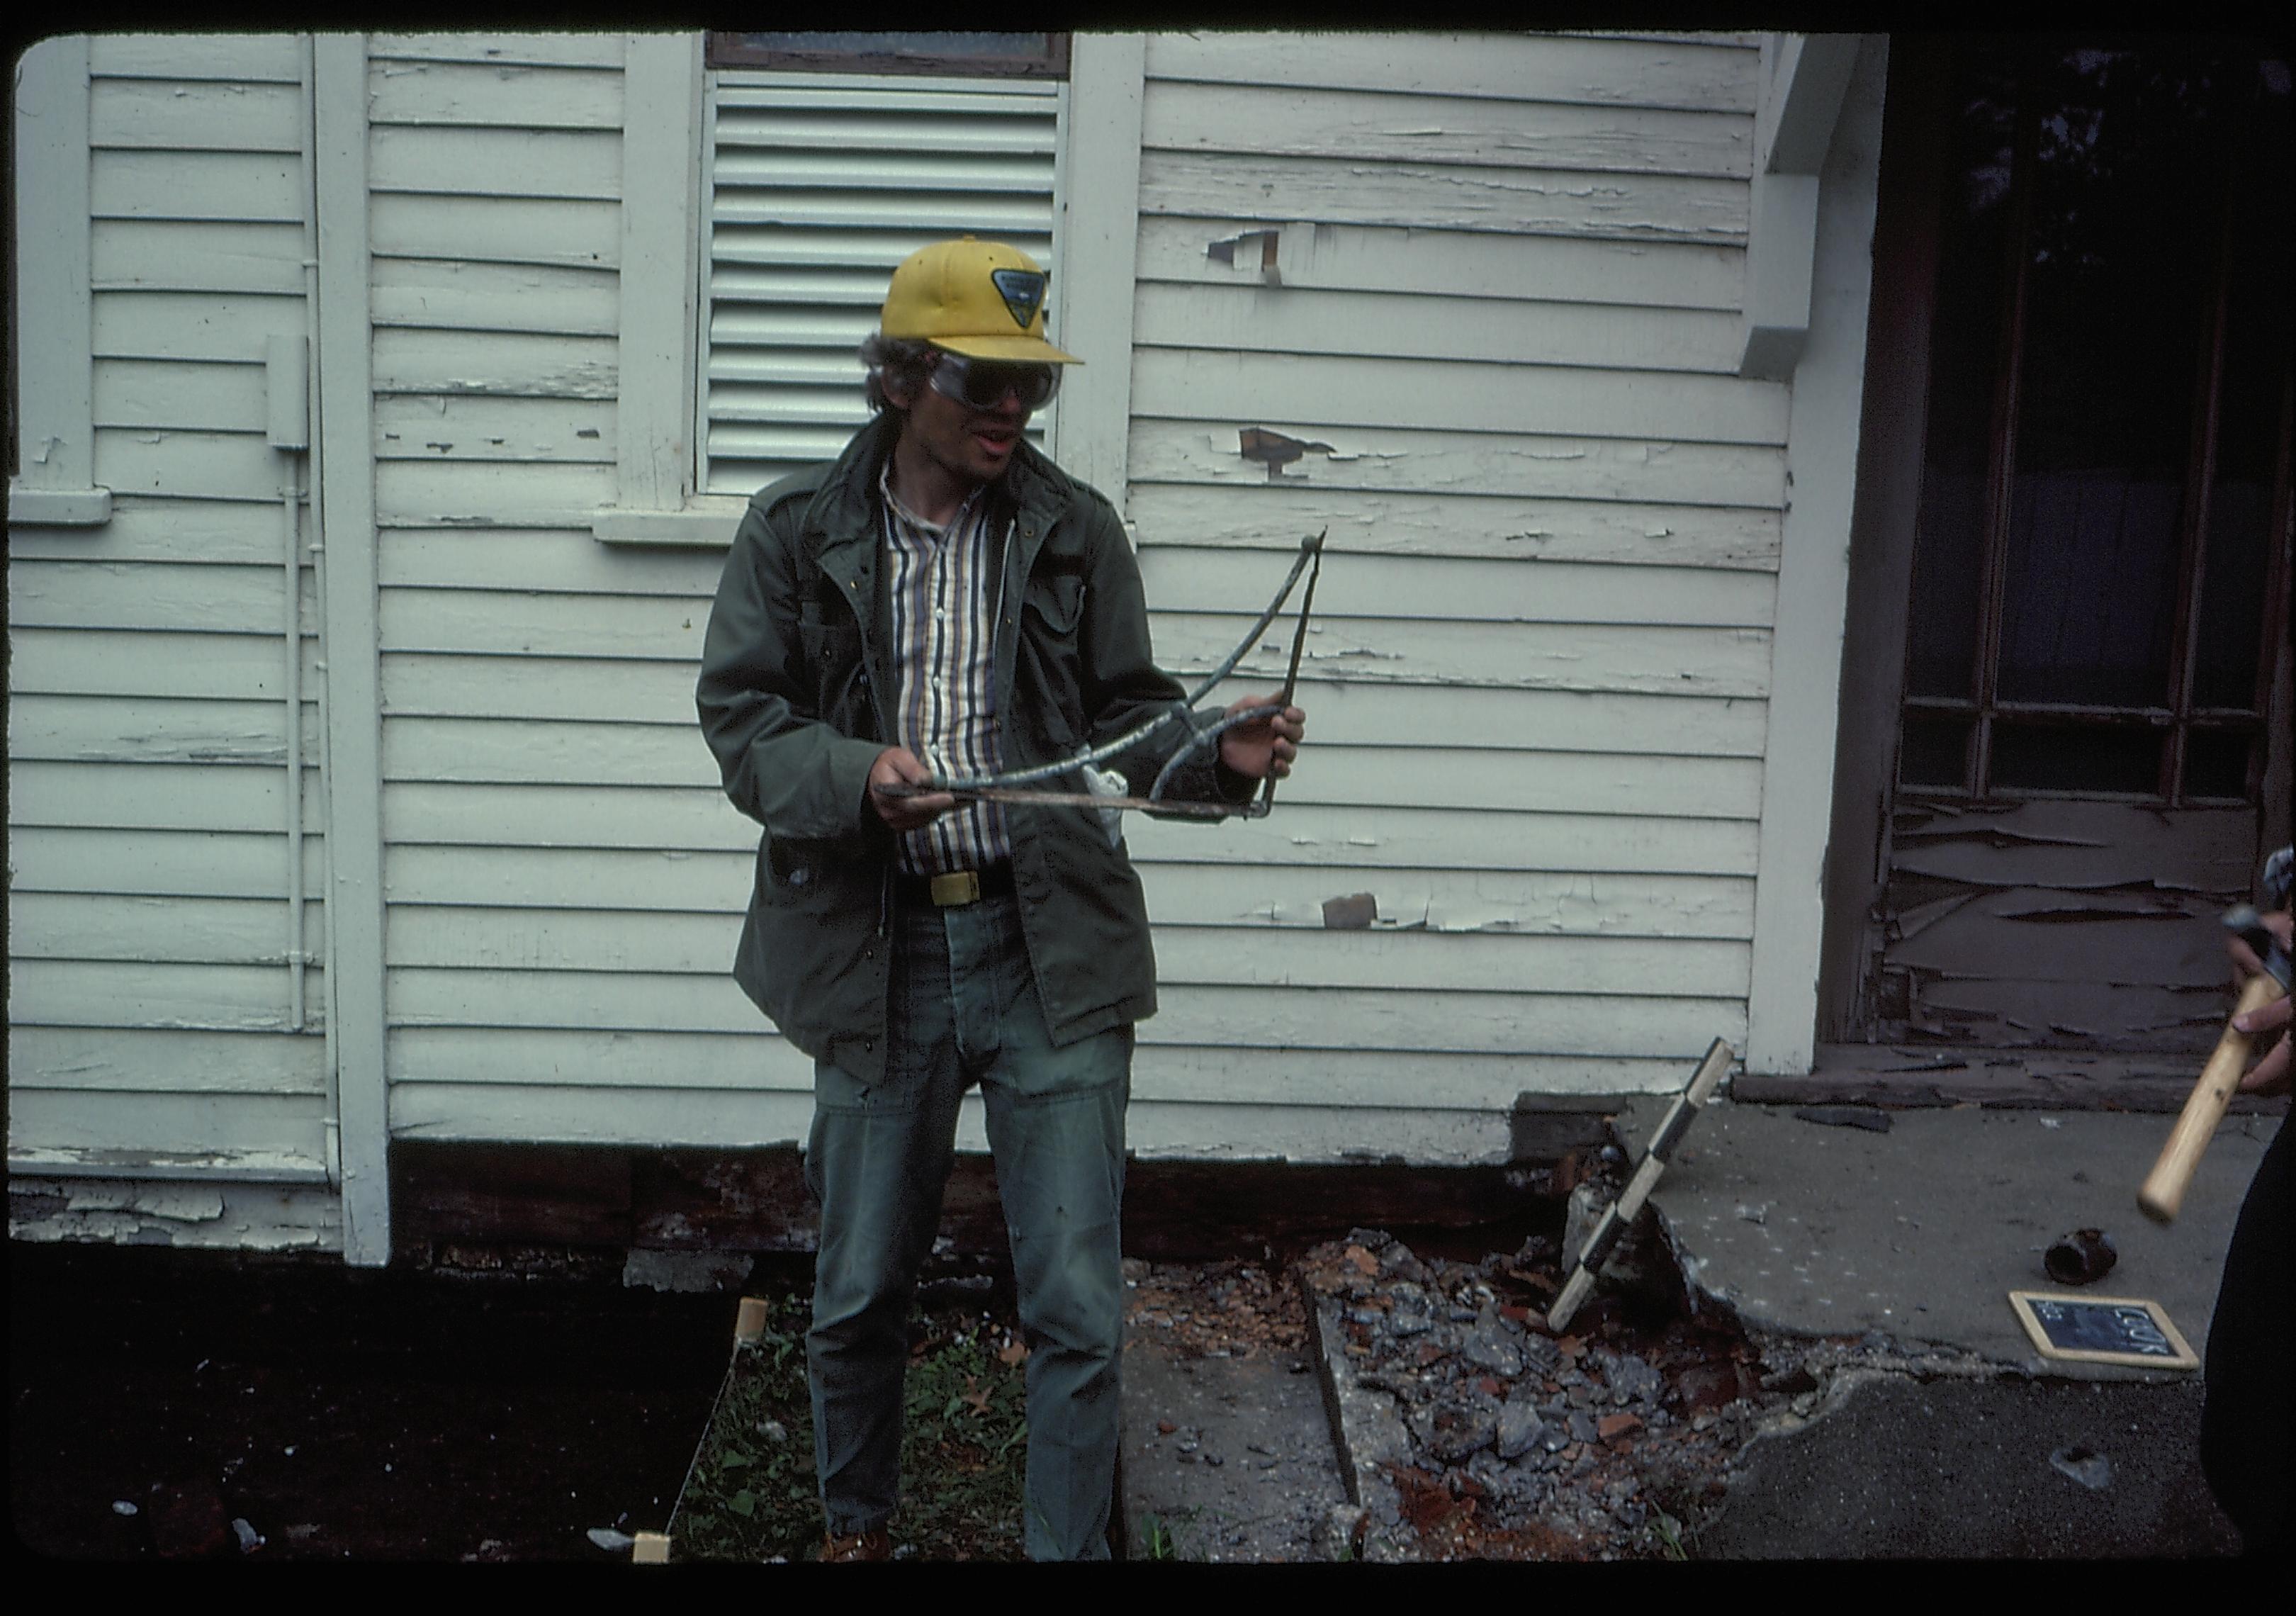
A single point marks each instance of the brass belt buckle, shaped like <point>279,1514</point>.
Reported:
<point>963,887</point>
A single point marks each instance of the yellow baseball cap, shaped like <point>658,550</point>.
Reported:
<point>983,299</point>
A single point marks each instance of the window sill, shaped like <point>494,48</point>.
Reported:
<point>705,523</point>
<point>58,507</point>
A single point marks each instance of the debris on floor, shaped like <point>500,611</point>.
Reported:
<point>1607,1443</point>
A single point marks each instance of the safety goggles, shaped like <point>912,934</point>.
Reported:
<point>981,384</point>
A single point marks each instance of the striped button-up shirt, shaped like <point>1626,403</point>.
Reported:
<point>943,585</point>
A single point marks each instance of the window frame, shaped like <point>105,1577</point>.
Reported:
<point>2176,720</point>
<point>732,52</point>
<point>51,477</point>
<point>663,296</point>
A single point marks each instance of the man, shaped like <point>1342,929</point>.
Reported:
<point>942,602</point>
<point>2246,1421</point>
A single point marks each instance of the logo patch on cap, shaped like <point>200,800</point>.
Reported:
<point>1024,292</point>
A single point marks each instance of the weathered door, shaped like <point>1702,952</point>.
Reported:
<point>2100,551</point>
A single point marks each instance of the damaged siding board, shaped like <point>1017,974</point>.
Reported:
<point>1558,68</point>
<point>702,1118</point>
<point>1393,325</point>
<point>169,255</point>
<point>1334,191</point>
<point>1185,579</point>
<point>2068,924</point>
<point>246,59</point>
<point>506,53</point>
<point>1572,656</point>
<point>117,993</point>
<point>1188,893</point>
<point>1387,126</point>
<point>1706,539</point>
<point>228,1216</point>
<point>1374,393</point>
<point>195,1063</point>
<point>106,729</point>
<point>552,232</point>
<point>1352,1081</point>
<point>448,426</point>
<point>1407,460</point>
<point>282,1128</point>
<point>158,929</point>
<point>1460,264</point>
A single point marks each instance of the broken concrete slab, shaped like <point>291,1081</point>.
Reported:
<point>1225,1458</point>
<point>1920,1234</point>
<point>1368,1431</point>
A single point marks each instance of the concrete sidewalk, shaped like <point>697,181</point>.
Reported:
<point>1921,1232</point>
<point>1932,1430</point>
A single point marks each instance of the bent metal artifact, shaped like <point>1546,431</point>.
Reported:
<point>1018,786</point>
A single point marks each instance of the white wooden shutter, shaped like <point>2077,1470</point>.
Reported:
<point>819,185</point>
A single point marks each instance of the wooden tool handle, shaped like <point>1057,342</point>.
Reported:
<point>2164,1187</point>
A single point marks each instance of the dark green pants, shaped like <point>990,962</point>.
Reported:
<point>965,1011</point>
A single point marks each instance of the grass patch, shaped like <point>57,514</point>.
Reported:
<point>751,1494</point>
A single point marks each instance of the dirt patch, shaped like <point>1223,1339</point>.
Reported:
<point>751,1494</point>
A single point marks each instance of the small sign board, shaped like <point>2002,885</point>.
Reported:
<point>2102,1330</point>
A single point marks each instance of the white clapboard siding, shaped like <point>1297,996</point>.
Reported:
<point>1489,285</point>
<point>149,928</point>
<point>816,191</point>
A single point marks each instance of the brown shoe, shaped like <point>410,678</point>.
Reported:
<point>861,1546</point>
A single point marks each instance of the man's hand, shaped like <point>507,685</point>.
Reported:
<point>898,766</point>
<point>2270,1075</point>
<point>1265,746</point>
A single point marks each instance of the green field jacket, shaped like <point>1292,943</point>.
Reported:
<point>795,688</point>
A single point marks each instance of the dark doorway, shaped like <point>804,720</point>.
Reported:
<point>2093,240</point>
